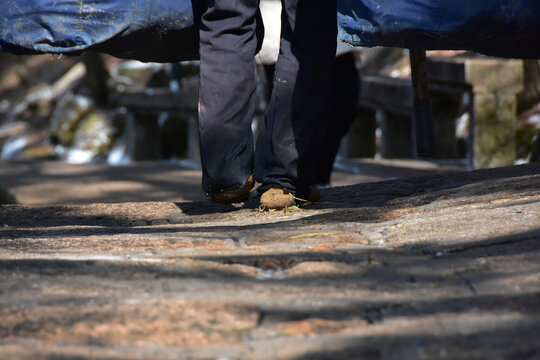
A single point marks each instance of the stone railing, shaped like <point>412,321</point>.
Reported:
<point>484,89</point>
<point>480,88</point>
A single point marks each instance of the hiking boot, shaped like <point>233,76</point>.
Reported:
<point>235,195</point>
<point>277,199</point>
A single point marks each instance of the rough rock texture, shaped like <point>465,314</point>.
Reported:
<point>442,266</point>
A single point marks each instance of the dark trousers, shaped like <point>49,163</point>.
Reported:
<point>288,148</point>
<point>340,112</point>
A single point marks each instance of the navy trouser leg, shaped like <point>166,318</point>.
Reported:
<point>341,112</point>
<point>288,146</point>
<point>227,93</point>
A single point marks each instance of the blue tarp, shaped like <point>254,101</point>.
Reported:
<point>166,30</point>
<point>506,28</point>
<point>148,30</point>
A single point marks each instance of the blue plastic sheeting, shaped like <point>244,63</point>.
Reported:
<point>166,30</point>
<point>148,30</point>
<point>506,28</point>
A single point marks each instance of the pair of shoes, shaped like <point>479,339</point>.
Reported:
<point>235,195</point>
<point>277,199</point>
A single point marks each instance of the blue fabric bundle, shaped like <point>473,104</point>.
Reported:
<point>148,30</point>
<point>506,28</point>
<point>166,30</point>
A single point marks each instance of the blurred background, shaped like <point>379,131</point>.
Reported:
<point>96,128</point>
<point>96,109</point>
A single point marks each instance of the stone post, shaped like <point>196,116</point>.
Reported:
<point>446,109</point>
<point>494,84</point>
<point>396,135</point>
<point>360,140</point>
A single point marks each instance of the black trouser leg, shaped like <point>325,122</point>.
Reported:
<point>341,112</point>
<point>227,93</point>
<point>289,143</point>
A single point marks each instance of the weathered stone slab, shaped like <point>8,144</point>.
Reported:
<point>442,266</point>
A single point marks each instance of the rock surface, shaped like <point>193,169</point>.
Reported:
<point>440,266</point>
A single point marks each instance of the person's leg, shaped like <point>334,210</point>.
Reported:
<point>227,93</point>
<point>341,112</point>
<point>288,146</point>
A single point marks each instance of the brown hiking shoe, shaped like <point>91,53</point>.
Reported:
<point>277,199</point>
<point>235,195</point>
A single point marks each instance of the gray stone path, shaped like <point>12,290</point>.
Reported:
<point>52,182</point>
<point>438,266</point>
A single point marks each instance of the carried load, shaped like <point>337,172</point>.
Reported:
<point>507,28</point>
<point>167,30</point>
<point>147,30</point>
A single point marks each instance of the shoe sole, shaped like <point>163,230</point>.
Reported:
<point>234,196</point>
